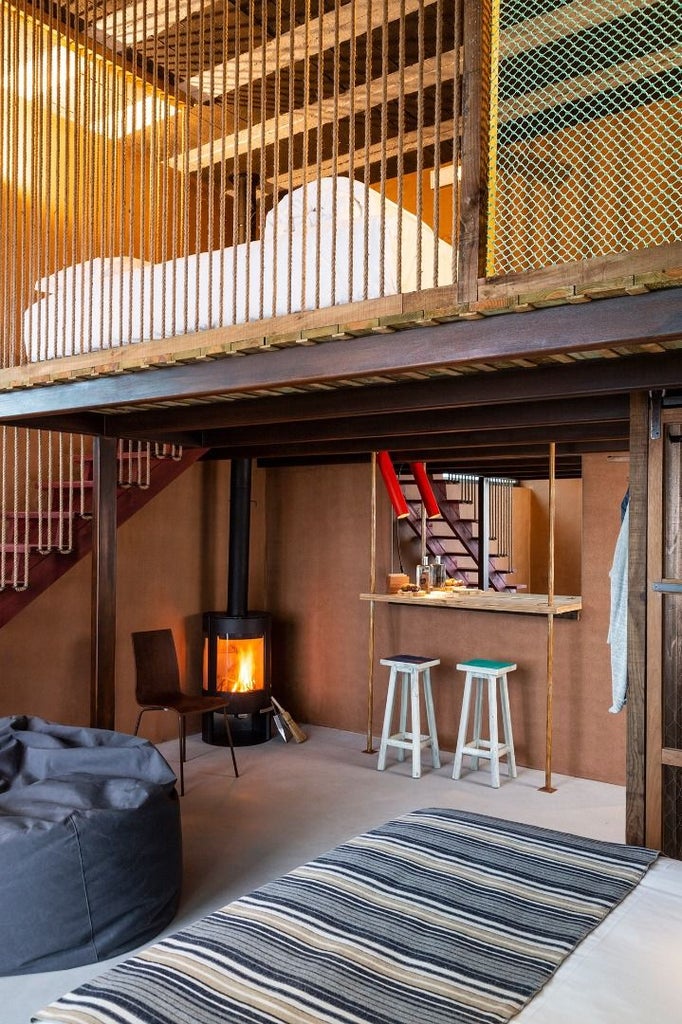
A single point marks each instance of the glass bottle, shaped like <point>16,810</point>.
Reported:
<point>424,574</point>
<point>438,573</point>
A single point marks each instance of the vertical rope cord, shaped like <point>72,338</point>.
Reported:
<point>164,157</point>
<point>248,191</point>
<point>263,169</point>
<point>24,179</point>
<point>237,121</point>
<point>305,143</point>
<point>177,194</point>
<point>275,155</point>
<point>401,142</point>
<point>420,146</point>
<point>198,200</point>
<point>368,143</point>
<point>36,248</point>
<point>222,210</point>
<point>184,247</point>
<point>335,152</point>
<point>16,135</point>
<point>352,61</point>
<point>321,55</point>
<point>384,133</point>
<point>290,156</point>
<point>151,130</point>
<point>90,68</point>
<point>438,99</point>
<point>209,247</point>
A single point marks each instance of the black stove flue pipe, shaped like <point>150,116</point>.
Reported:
<point>239,539</point>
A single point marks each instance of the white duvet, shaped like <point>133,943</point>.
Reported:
<point>317,248</point>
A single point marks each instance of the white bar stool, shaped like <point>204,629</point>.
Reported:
<point>412,668</point>
<point>481,671</point>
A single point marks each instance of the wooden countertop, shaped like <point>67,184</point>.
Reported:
<point>485,601</point>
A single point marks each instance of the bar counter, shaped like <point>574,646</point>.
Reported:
<point>485,601</point>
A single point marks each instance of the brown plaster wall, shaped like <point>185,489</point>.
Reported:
<point>318,558</point>
<point>310,546</point>
<point>172,558</point>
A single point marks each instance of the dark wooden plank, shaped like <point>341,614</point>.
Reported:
<point>473,184</point>
<point>103,608</point>
<point>637,600</point>
<point>607,323</point>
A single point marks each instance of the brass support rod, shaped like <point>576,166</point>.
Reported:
<point>548,788</point>
<point>369,749</point>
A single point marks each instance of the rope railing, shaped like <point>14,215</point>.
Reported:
<point>170,168</point>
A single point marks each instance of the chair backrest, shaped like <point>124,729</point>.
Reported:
<point>156,666</point>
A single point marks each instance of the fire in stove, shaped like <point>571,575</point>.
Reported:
<point>239,665</point>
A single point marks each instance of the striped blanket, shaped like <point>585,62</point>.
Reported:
<point>438,917</point>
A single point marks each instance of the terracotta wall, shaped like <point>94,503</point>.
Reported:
<point>318,564</point>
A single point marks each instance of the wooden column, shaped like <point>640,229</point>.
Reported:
<point>483,504</point>
<point>103,610</point>
<point>475,121</point>
<point>635,805</point>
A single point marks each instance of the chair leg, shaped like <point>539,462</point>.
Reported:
<point>139,719</point>
<point>228,733</point>
<point>181,740</point>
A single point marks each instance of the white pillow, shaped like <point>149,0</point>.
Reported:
<point>88,274</point>
<point>318,204</point>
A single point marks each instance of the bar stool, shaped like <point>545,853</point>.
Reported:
<point>481,671</point>
<point>412,668</point>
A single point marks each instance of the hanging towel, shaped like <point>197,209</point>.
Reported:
<point>618,624</point>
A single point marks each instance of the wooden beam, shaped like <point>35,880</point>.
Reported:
<point>635,781</point>
<point>479,394</point>
<point>655,317</point>
<point>142,20</point>
<point>278,129</point>
<point>472,212</point>
<point>103,608</point>
<point>294,45</point>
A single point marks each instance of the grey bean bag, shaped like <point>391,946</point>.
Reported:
<point>90,844</point>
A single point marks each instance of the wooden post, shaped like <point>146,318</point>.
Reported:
<point>549,728</point>
<point>103,608</point>
<point>483,504</point>
<point>635,804</point>
<point>369,749</point>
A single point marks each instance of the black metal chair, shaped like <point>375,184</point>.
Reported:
<point>157,688</point>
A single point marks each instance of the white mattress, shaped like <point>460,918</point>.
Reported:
<point>627,971</point>
<point>108,302</point>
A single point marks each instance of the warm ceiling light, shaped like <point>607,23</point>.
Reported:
<point>392,486</point>
<point>418,470</point>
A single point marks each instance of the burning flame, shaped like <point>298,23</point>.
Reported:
<point>239,666</point>
<point>244,679</point>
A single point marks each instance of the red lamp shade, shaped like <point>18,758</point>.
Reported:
<point>392,486</point>
<point>422,481</point>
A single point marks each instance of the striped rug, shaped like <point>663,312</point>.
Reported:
<point>437,917</point>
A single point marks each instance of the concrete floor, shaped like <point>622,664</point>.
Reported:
<point>293,802</point>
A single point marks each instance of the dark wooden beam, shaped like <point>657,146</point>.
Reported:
<point>611,410</point>
<point>635,774</point>
<point>103,608</point>
<point>652,318</point>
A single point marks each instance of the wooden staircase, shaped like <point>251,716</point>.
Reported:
<point>45,544</point>
<point>455,536</point>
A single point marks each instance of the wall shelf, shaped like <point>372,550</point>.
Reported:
<point>486,601</point>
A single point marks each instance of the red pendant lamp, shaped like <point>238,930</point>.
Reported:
<point>418,470</point>
<point>392,486</point>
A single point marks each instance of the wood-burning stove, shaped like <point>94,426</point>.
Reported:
<point>237,642</point>
<point>237,667</point>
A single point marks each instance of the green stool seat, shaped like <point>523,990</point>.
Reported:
<point>484,673</point>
